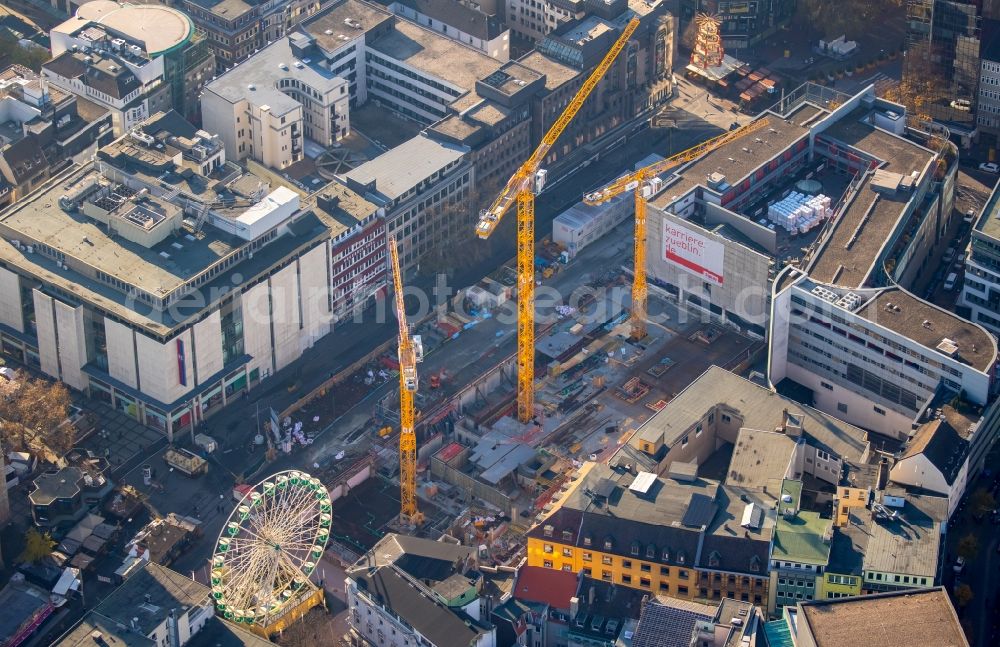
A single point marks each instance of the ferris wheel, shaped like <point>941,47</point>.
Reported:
<point>269,547</point>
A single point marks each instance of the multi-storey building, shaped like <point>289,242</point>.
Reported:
<point>534,19</point>
<point>263,108</point>
<point>745,23</point>
<point>170,292</point>
<point>981,287</point>
<point>423,185</point>
<point>879,358</point>
<point>665,536</point>
<point>154,32</point>
<point>43,128</point>
<point>413,591</point>
<point>466,22</point>
<point>126,82</point>
<point>155,606</point>
<point>943,39</point>
<point>801,549</point>
<point>900,619</point>
<point>236,29</point>
<point>710,242</point>
<point>358,268</point>
<point>375,52</point>
<point>988,99</point>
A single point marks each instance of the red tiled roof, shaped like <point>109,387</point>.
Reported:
<point>554,588</point>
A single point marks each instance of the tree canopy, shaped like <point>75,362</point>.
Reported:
<point>32,413</point>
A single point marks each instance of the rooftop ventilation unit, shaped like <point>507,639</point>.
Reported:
<point>849,301</point>
<point>825,294</point>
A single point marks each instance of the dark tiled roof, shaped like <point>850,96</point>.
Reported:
<point>669,623</point>
<point>941,445</point>
<point>679,543</point>
<point>25,158</point>
<point>117,82</point>
<point>737,554</point>
<point>440,624</point>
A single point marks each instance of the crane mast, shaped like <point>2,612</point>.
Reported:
<point>408,382</point>
<point>521,189</point>
<point>638,183</point>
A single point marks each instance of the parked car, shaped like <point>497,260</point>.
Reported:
<point>959,564</point>
<point>990,167</point>
<point>949,283</point>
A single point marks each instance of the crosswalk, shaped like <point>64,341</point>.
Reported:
<point>883,83</point>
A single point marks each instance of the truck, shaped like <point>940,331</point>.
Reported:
<point>186,462</point>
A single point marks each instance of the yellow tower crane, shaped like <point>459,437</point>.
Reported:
<point>521,188</point>
<point>410,352</point>
<point>638,182</point>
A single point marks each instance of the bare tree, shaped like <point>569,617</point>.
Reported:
<point>32,413</point>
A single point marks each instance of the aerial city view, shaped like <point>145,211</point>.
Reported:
<point>486,323</point>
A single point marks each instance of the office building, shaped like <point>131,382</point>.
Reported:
<point>410,591</point>
<point>715,244</point>
<point>235,29</point>
<point>668,536</point>
<point>126,83</point>
<point>532,20</point>
<point>475,24</point>
<point>880,358</point>
<point>169,292</point>
<point>423,185</point>
<point>264,108</point>
<point>149,31</point>
<point>943,41</point>
<point>899,619</point>
<point>981,287</point>
<point>801,549</point>
<point>743,24</point>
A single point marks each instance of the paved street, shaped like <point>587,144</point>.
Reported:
<point>982,573</point>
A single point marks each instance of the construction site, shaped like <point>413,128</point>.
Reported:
<point>501,398</point>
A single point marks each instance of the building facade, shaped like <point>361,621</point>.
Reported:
<point>533,19</point>
<point>981,286</point>
<point>221,281</point>
<point>188,61</point>
<point>413,591</point>
<point>425,206</point>
<point>744,24</point>
<point>235,30</point>
<point>127,84</point>
<point>264,108</point>
<point>943,40</point>
<point>468,23</point>
<point>877,358</point>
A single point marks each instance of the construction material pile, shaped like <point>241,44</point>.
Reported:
<point>798,212</point>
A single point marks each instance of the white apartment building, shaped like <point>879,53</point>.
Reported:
<point>264,107</point>
<point>408,591</point>
<point>155,606</point>
<point>127,83</point>
<point>878,358</point>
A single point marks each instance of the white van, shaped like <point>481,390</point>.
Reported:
<point>949,283</point>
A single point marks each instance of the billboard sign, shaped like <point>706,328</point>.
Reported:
<point>693,252</point>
